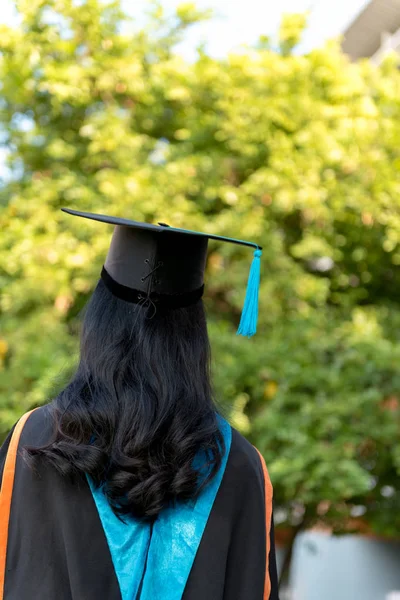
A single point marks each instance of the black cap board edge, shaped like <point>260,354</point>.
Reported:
<point>155,228</point>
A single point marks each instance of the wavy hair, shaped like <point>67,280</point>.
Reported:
<point>139,408</point>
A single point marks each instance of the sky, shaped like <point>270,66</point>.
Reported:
<point>238,22</point>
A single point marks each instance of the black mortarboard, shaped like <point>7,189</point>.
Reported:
<point>165,265</point>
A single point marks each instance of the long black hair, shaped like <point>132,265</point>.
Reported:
<point>139,408</point>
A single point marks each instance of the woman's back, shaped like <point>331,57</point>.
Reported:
<point>63,545</point>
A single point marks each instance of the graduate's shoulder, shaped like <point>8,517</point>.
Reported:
<point>37,431</point>
<point>39,427</point>
<point>244,459</point>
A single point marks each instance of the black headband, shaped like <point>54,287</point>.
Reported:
<point>138,297</point>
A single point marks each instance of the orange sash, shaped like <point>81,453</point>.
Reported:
<point>6,495</point>
<point>268,517</point>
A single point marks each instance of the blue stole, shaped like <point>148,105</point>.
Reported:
<point>169,546</point>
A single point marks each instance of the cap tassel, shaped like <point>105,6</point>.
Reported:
<point>248,320</point>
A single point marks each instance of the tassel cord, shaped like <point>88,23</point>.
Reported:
<point>248,320</point>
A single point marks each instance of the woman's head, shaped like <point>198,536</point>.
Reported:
<point>139,407</point>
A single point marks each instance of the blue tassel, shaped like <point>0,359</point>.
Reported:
<point>248,320</point>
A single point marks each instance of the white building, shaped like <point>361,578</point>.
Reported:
<point>374,32</point>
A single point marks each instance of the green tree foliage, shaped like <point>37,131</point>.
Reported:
<point>299,153</point>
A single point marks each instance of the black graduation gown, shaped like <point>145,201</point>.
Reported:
<point>57,549</point>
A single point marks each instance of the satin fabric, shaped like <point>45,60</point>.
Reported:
<point>161,556</point>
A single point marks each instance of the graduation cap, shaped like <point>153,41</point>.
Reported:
<point>165,265</point>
